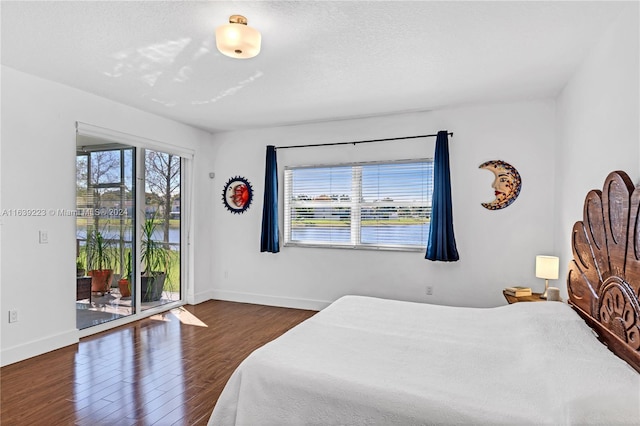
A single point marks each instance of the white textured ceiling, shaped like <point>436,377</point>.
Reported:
<point>319,61</point>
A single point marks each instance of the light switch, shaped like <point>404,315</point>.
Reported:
<point>44,237</point>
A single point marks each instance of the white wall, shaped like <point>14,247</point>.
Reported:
<point>38,172</point>
<point>497,248</point>
<point>598,124</point>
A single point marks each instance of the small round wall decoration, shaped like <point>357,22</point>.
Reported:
<point>237,195</point>
<point>506,184</point>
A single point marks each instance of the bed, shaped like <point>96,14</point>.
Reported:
<point>366,360</point>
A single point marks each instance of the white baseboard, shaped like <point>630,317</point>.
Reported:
<point>201,297</point>
<point>38,347</point>
<point>262,299</point>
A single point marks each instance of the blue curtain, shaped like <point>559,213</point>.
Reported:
<point>442,242</point>
<point>269,240</point>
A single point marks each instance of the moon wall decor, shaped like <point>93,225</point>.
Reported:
<point>237,195</point>
<point>506,184</point>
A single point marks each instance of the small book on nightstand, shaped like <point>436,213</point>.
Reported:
<point>518,291</point>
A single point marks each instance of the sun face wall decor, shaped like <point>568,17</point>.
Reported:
<point>237,195</point>
<point>506,184</point>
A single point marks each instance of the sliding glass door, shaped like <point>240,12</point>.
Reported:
<point>105,224</point>
<point>128,230</point>
<point>161,231</point>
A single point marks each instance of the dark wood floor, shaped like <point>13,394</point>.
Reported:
<point>165,370</point>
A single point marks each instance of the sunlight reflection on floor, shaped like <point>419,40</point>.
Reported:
<point>182,315</point>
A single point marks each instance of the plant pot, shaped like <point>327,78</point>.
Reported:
<point>83,288</point>
<point>100,280</point>
<point>125,289</point>
<point>152,286</point>
<point>80,273</point>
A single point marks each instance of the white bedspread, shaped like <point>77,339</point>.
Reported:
<point>364,360</point>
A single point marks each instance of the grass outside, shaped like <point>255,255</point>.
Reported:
<point>172,283</point>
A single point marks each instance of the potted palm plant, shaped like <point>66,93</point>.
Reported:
<point>125,282</point>
<point>99,261</point>
<point>80,271</point>
<point>156,260</point>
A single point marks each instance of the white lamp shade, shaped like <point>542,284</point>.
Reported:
<point>547,267</point>
<point>238,40</point>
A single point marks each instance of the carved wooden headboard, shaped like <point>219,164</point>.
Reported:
<point>604,276</point>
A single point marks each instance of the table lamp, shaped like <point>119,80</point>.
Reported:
<point>547,268</point>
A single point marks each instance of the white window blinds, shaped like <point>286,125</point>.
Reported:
<point>363,205</point>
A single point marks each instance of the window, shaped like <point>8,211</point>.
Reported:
<point>364,205</point>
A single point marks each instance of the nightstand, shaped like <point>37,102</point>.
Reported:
<point>535,297</point>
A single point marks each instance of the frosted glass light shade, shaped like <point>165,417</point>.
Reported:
<point>237,40</point>
<point>547,267</point>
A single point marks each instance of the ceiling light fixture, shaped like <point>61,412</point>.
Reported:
<point>238,40</point>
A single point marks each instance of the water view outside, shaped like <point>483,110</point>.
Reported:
<point>393,235</point>
<point>113,233</point>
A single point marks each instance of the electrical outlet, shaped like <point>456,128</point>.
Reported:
<point>13,316</point>
<point>429,290</point>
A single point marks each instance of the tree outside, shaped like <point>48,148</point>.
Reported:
<point>162,188</point>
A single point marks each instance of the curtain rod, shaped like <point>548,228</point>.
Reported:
<point>357,142</point>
